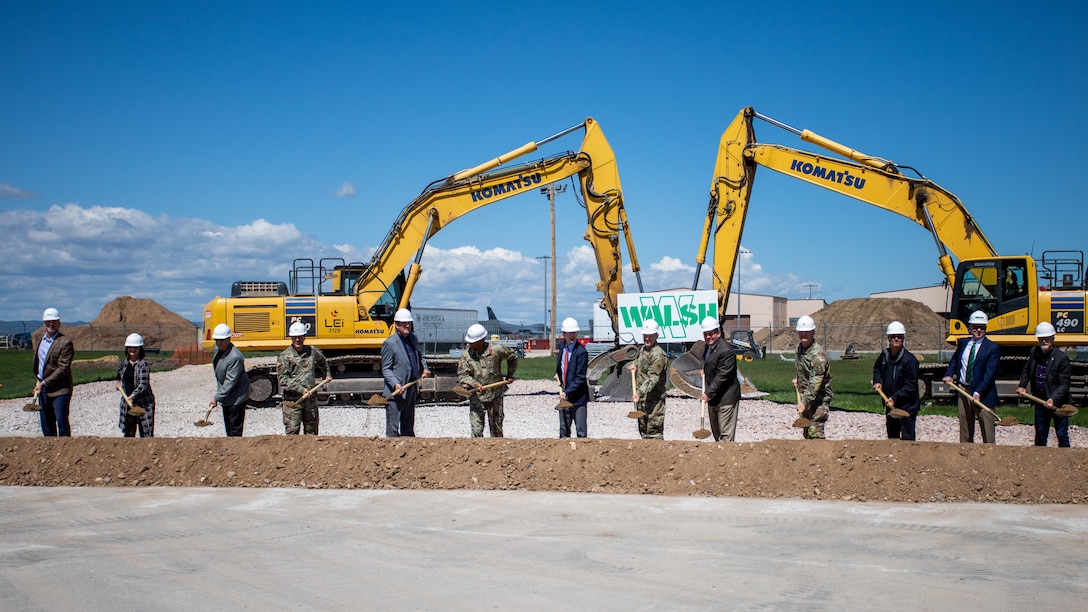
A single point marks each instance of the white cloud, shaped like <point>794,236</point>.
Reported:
<point>11,192</point>
<point>79,258</point>
<point>346,190</point>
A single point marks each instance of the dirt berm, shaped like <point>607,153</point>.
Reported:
<point>862,470</point>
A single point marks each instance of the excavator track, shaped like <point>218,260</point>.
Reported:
<point>356,377</point>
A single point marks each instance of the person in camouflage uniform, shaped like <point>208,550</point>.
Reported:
<point>650,369</point>
<point>481,365</point>
<point>299,367</point>
<point>813,380</point>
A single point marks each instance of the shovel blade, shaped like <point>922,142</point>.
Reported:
<point>32,408</point>
<point>463,392</point>
<point>202,423</point>
<point>802,423</point>
<point>1067,410</point>
<point>898,413</point>
<point>636,414</point>
<point>1008,421</point>
<point>136,411</point>
<point>377,400</point>
<point>291,405</point>
<point>701,434</point>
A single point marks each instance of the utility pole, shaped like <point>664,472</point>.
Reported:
<point>740,251</point>
<point>546,258</point>
<point>550,190</point>
<point>810,286</point>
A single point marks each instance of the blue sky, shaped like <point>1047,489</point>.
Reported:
<point>166,149</point>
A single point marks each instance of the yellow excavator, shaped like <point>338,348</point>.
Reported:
<point>1015,292</point>
<point>348,308</point>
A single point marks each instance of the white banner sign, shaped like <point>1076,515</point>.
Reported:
<point>677,312</point>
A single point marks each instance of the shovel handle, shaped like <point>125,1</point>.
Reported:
<point>1031,397</point>
<point>972,399</point>
<point>883,396</point>
<point>403,389</point>
<point>314,389</point>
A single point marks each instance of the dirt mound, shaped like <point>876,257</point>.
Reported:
<point>858,470</point>
<point>863,321</point>
<point>161,328</point>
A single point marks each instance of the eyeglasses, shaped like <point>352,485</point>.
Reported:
<point>896,337</point>
<point>976,327</point>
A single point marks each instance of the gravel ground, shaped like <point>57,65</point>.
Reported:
<point>182,396</point>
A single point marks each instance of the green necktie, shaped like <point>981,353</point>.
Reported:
<point>971,363</point>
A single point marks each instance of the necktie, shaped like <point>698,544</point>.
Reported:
<point>566,360</point>
<point>971,364</point>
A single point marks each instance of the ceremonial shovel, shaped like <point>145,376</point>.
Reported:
<point>308,393</point>
<point>1002,421</point>
<point>33,406</point>
<point>702,433</point>
<point>563,404</point>
<point>205,422</point>
<point>895,413</point>
<point>801,422</point>
<point>636,413</point>
<point>135,411</point>
<point>1067,410</point>
<point>466,392</point>
<point>378,400</point>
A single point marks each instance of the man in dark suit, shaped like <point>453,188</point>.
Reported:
<point>571,365</point>
<point>974,365</point>
<point>1049,374</point>
<point>53,354</point>
<point>402,363</point>
<point>721,390</point>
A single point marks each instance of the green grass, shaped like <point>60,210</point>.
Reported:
<point>851,381</point>
<point>16,370</point>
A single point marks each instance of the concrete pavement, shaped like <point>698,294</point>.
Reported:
<point>207,548</point>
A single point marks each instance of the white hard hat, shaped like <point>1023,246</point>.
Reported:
<point>806,323</point>
<point>709,324</point>
<point>50,314</point>
<point>403,315</point>
<point>978,318</point>
<point>651,328</point>
<point>134,340</point>
<point>895,327</point>
<point>298,328</point>
<point>570,324</point>
<point>1044,330</point>
<point>475,333</point>
<point>221,332</point>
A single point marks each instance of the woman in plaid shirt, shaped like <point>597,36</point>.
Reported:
<point>134,377</point>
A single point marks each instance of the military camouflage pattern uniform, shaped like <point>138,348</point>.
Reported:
<point>298,373</point>
<point>484,367</point>
<point>814,383</point>
<point>651,371</point>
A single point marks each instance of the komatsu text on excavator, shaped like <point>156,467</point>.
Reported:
<point>1015,292</point>
<point>348,307</point>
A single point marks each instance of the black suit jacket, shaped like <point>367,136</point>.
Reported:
<point>1058,374</point>
<point>577,387</point>
<point>720,370</point>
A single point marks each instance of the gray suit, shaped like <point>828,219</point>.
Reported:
<point>232,388</point>
<point>400,412</point>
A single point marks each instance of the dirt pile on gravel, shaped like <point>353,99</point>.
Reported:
<point>863,321</point>
<point>160,327</point>
<point>857,470</point>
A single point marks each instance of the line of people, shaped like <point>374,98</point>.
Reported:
<point>974,365</point>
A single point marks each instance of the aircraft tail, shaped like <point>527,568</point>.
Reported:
<point>491,314</point>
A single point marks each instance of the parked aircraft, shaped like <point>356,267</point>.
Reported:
<point>495,326</point>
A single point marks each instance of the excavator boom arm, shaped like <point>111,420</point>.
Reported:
<point>869,179</point>
<point>448,199</point>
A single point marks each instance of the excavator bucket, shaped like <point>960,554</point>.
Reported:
<point>608,370</point>
<point>687,369</point>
